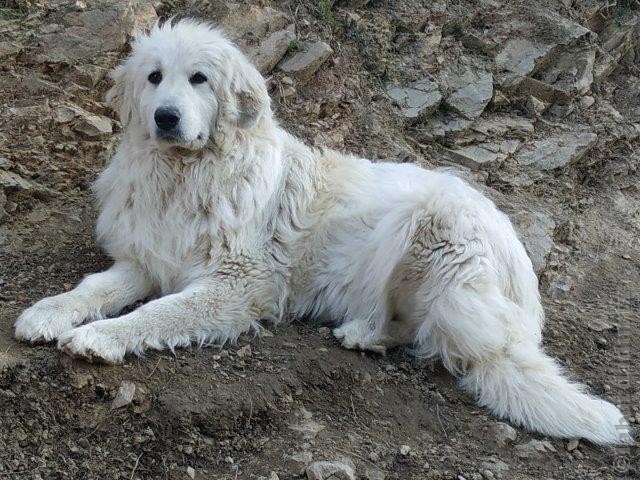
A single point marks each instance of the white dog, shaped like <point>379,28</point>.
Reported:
<point>228,219</point>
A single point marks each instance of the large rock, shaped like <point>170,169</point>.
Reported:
<point>304,64</point>
<point>520,55</point>
<point>536,232</point>
<point>527,38</point>
<point>272,49</point>
<point>557,150</point>
<point>242,20</point>
<point>82,121</point>
<point>96,34</point>
<point>12,182</point>
<point>572,71</point>
<point>471,92</point>
<point>416,100</point>
<point>617,40</point>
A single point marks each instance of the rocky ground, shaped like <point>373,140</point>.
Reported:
<point>537,102</point>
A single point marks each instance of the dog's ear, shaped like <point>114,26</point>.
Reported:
<point>251,97</point>
<point>118,96</point>
<point>251,105</point>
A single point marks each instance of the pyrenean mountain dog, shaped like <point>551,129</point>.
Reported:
<point>227,219</point>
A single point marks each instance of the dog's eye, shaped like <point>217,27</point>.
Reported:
<point>155,77</point>
<point>197,78</point>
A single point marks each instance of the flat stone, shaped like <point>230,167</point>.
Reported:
<point>445,124</point>
<point>12,182</point>
<point>534,449</point>
<point>509,146</point>
<point>416,100</point>
<point>535,106</point>
<point>124,396</point>
<point>473,156</point>
<point>272,49</point>
<point>63,114</point>
<point>536,232</point>
<point>503,124</point>
<point>586,101</point>
<point>82,121</point>
<point>504,433</point>
<point>304,423</point>
<point>573,444</point>
<point>560,286</point>
<point>304,64</point>
<point>373,473</point>
<point>600,326</point>
<point>88,75</point>
<point>520,55</point>
<point>572,71</point>
<point>522,86</point>
<point>495,464</point>
<point>471,99</point>
<point>330,470</point>
<point>556,151</point>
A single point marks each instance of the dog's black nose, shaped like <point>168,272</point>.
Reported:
<point>166,118</point>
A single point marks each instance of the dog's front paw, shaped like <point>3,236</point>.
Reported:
<point>92,344</point>
<point>46,320</point>
<point>351,337</point>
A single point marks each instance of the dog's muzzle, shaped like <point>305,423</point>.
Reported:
<point>168,122</point>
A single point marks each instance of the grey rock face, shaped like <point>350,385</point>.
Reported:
<point>417,100</point>
<point>304,64</point>
<point>556,151</point>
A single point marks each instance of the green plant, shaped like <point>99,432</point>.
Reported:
<point>294,45</point>
<point>325,10</point>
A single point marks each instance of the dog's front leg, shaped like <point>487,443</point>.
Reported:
<point>97,296</point>
<point>214,312</point>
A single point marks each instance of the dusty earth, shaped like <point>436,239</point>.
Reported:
<point>536,102</point>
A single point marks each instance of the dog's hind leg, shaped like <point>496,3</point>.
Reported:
<point>97,296</point>
<point>474,328</point>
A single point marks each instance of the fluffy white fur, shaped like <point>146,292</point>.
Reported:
<point>236,221</point>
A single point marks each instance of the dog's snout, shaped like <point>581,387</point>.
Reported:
<point>166,118</point>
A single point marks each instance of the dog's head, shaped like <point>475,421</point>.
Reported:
<point>185,84</point>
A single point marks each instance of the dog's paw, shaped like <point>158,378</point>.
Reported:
<point>350,336</point>
<point>46,321</point>
<point>91,344</point>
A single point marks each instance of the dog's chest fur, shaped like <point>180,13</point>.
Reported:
<point>180,219</point>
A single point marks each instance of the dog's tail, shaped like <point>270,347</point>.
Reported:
<point>475,329</point>
<point>527,387</point>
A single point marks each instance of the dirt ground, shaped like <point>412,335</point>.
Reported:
<point>271,405</point>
